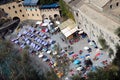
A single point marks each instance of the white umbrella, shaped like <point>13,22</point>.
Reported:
<point>38,22</point>
<point>48,52</point>
<point>87,57</point>
<point>55,52</point>
<point>90,43</point>
<point>86,48</point>
<point>41,55</point>
<point>44,24</point>
<point>58,22</point>
<point>79,68</point>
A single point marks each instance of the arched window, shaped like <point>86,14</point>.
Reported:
<point>110,6</point>
<point>117,4</point>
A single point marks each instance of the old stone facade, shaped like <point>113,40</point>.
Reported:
<point>99,20</point>
<point>17,9</point>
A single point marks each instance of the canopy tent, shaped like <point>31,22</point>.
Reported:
<point>68,27</point>
<point>68,31</point>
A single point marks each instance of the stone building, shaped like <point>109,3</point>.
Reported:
<point>28,10</point>
<point>98,18</point>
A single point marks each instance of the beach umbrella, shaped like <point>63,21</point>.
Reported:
<point>87,55</point>
<point>79,68</point>
<point>45,59</point>
<point>41,55</point>
<point>98,54</point>
<point>38,22</point>
<point>91,43</point>
<point>48,52</point>
<point>82,57</point>
<point>76,62</point>
<point>55,52</point>
<point>74,55</point>
<point>57,22</point>
<point>86,48</point>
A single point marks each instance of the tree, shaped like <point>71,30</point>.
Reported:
<point>117,31</point>
<point>15,65</point>
<point>76,77</point>
<point>111,52</point>
<point>65,10</point>
<point>110,73</point>
<point>116,60</point>
<point>103,43</point>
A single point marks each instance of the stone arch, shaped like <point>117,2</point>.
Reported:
<point>43,16</point>
<point>56,16</point>
<point>16,18</point>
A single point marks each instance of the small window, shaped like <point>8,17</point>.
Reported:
<point>110,6</point>
<point>37,14</point>
<point>31,9</point>
<point>23,15</point>
<point>26,9</point>
<point>20,5</point>
<point>2,9</point>
<point>32,14</point>
<point>117,4</point>
<point>28,14</point>
<point>35,9</point>
<point>9,8</point>
<point>16,12</point>
<point>76,14</point>
<point>13,6</point>
<point>20,10</point>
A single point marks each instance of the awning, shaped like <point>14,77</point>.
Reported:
<point>68,27</point>
<point>67,31</point>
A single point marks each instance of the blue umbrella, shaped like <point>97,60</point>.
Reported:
<point>87,55</point>
<point>82,57</point>
<point>77,62</point>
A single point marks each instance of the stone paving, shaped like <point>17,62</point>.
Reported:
<point>80,46</point>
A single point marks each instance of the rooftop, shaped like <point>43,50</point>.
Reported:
<point>54,5</point>
<point>106,23</point>
<point>74,2</point>
<point>99,3</point>
<point>30,2</point>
